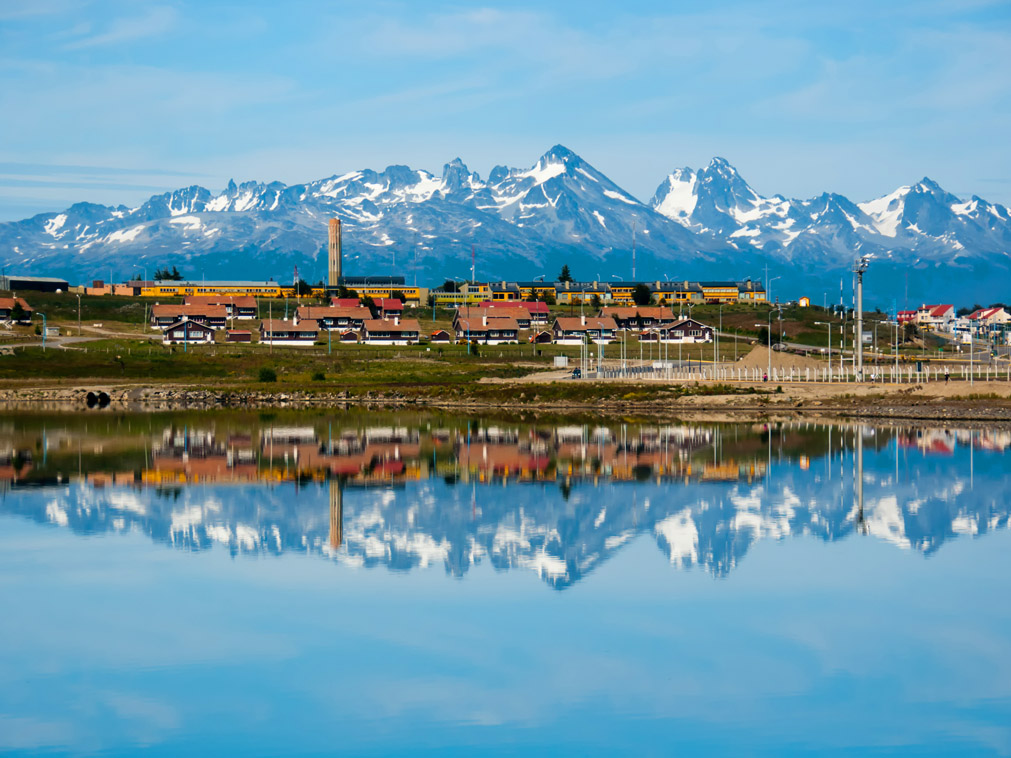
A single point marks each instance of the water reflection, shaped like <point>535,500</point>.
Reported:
<point>558,500</point>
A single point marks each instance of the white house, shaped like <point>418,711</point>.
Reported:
<point>187,332</point>
<point>287,333</point>
<point>937,318</point>
<point>381,332</point>
<point>495,330</point>
<point>989,323</point>
<point>686,331</point>
<point>575,330</point>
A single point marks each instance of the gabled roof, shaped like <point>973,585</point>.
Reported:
<point>984,313</point>
<point>537,307</point>
<point>382,325</point>
<point>593,323</point>
<point>8,303</point>
<point>203,309</point>
<point>494,322</point>
<point>191,326</point>
<point>344,302</point>
<point>389,304</point>
<point>277,325</point>
<point>321,311</point>
<point>239,301</point>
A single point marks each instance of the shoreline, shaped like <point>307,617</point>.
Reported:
<point>983,402</point>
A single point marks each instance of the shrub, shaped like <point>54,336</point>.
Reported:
<point>319,376</point>
<point>268,375</point>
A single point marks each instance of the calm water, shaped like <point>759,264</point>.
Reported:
<point>388,584</point>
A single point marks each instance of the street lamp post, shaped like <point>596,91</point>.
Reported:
<point>78,314</point>
<point>829,325</point>
<point>43,332</point>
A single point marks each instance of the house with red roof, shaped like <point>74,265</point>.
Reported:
<point>936,318</point>
<point>7,306</point>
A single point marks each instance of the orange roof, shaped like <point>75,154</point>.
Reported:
<point>211,311</point>
<point>381,325</point>
<point>494,322</point>
<point>318,312</point>
<point>575,323</point>
<point>8,302</point>
<point>239,301</point>
<point>277,325</point>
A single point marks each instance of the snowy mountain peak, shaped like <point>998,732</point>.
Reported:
<point>524,222</point>
<point>560,154</point>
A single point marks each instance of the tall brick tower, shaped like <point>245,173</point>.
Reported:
<point>334,253</point>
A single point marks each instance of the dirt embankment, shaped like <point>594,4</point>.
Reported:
<point>759,358</point>
<point>957,401</point>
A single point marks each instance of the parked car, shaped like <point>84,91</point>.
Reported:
<point>577,373</point>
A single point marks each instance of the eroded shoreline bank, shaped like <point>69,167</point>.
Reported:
<point>991,404</point>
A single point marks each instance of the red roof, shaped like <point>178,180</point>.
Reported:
<point>984,313</point>
<point>344,302</point>
<point>593,323</point>
<point>529,307</point>
<point>239,301</point>
<point>379,325</point>
<point>321,311</point>
<point>8,303</point>
<point>389,304</point>
<point>172,311</point>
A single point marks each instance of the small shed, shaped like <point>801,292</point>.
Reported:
<point>441,337</point>
<point>238,335</point>
<point>541,338</point>
<point>350,337</point>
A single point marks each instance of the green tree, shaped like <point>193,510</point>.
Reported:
<point>268,375</point>
<point>165,275</point>
<point>764,336</point>
<point>595,302</point>
<point>369,303</point>
<point>398,295</point>
<point>566,275</point>
<point>547,297</point>
<point>17,312</point>
<point>302,288</point>
<point>449,286</point>
<point>641,295</point>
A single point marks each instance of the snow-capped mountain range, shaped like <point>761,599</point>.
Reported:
<point>707,223</point>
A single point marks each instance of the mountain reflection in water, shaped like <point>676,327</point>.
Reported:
<point>409,492</point>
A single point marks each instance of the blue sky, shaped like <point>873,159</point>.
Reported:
<point>114,101</point>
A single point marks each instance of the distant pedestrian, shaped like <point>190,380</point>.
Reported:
<point>765,377</point>
<point>947,376</point>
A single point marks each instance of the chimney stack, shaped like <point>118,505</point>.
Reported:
<point>582,320</point>
<point>334,253</point>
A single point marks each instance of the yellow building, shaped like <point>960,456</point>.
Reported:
<point>182,289</point>
<point>720,292</point>
<point>537,290</point>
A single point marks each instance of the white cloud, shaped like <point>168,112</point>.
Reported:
<point>157,21</point>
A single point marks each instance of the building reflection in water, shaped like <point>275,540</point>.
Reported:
<point>554,499</point>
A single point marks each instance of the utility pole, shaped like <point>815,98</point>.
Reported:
<point>633,249</point>
<point>859,268</point>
